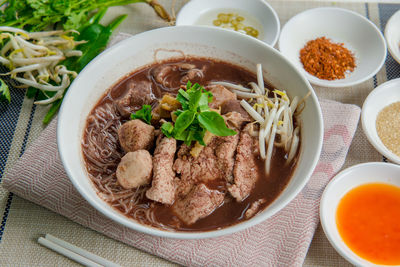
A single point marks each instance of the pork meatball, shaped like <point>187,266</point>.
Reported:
<point>135,169</point>
<point>135,135</point>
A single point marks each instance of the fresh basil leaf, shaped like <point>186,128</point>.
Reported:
<point>203,103</point>
<point>194,100</point>
<point>4,92</point>
<point>143,114</point>
<point>188,85</point>
<point>195,117</point>
<point>204,108</point>
<point>214,123</point>
<point>183,121</point>
<point>194,88</point>
<point>178,112</point>
<point>183,98</point>
<point>167,129</point>
<point>182,137</point>
<point>184,94</point>
<point>203,100</point>
<point>190,136</point>
<point>199,136</point>
<point>209,95</point>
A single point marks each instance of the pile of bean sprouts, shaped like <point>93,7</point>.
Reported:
<point>274,112</point>
<point>33,59</point>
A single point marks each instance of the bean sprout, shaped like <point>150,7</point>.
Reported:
<point>274,112</point>
<point>232,86</point>
<point>33,59</point>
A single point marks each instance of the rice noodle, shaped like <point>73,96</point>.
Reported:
<point>102,153</point>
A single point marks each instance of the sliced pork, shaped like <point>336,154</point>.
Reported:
<point>233,105</point>
<point>225,152</point>
<point>245,171</point>
<point>198,203</point>
<point>163,187</point>
<point>235,120</point>
<point>137,95</point>
<point>194,170</point>
<point>220,95</point>
<point>254,208</point>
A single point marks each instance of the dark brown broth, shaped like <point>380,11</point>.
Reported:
<point>231,212</point>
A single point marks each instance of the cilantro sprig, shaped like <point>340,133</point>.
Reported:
<point>37,15</point>
<point>81,15</point>
<point>195,117</point>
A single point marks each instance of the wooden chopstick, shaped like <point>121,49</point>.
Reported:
<point>74,253</point>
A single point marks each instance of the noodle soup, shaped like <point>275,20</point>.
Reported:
<point>227,181</point>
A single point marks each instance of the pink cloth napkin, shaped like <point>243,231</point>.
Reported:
<point>282,240</point>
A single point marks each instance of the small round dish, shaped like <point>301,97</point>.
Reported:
<point>382,96</point>
<point>392,35</point>
<point>357,33</point>
<point>257,13</point>
<point>372,172</point>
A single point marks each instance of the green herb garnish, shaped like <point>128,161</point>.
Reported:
<point>143,114</point>
<point>195,117</point>
<point>97,37</point>
<point>38,15</point>
<point>4,92</point>
<point>82,16</point>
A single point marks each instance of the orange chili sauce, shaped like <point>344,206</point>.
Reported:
<point>368,220</point>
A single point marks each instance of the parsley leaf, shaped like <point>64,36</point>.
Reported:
<point>143,114</point>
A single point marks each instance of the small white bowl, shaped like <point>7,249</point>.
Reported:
<point>357,33</point>
<point>382,96</point>
<point>372,172</point>
<point>392,35</point>
<point>262,16</point>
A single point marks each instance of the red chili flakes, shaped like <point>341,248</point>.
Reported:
<point>327,60</point>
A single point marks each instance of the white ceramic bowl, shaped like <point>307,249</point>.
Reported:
<point>382,96</point>
<point>392,35</point>
<point>203,12</point>
<point>357,34</point>
<point>372,172</point>
<point>125,57</point>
